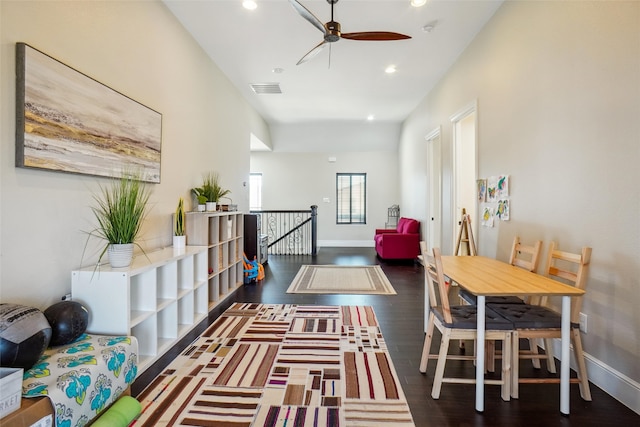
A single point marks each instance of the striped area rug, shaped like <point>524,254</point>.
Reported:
<point>267,365</point>
<point>341,279</point>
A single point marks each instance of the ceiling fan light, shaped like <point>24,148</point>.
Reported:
<point>418,3</point>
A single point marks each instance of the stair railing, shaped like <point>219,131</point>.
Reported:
<point>290,232</point>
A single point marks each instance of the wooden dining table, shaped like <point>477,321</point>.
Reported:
<point>483,276</point>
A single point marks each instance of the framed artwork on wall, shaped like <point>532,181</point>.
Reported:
<point>66,121</point>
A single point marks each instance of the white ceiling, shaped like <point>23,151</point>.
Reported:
<point>328,105</point>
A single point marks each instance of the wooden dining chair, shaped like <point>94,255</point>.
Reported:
<point>540,321</point>
<point>523,256</point>
<point>457,322</point>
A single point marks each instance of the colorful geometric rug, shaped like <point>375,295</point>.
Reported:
<point>283,365</point>
<point>341,279</point>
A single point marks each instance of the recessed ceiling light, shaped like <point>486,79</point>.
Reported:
<point>249,4</point>
<point>390,69</point>
<point>370,117</point>
<point>278,70</point>
<point>418,3</point>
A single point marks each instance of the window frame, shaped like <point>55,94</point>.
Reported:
<point>351,220</point>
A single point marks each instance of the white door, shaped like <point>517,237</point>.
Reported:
<point>434,198</point>
<point>434,173</point>
<point>464,168</point>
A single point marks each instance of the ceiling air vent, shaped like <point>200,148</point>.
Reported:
<point>266,88</point>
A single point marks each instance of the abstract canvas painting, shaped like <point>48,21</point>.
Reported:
<point>66,121</point>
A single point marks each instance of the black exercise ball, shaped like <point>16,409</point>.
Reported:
<point>24,335</point>
<point>68,320</point>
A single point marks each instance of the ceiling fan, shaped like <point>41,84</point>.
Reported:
<point>332,31</point>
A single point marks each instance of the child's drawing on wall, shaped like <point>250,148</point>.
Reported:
<point>492,187</point>
<point>481,186</point>
<point>487,217</point>
<point>502,187</point>
<point>503,210</point>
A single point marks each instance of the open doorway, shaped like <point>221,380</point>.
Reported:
<point>465,125</point>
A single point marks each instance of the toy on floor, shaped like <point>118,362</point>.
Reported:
<point>120,414</point>
<point>253,270</point>
<point>260,272</point>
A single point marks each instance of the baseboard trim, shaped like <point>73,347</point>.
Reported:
<point>613,382</point>
<point>346,243</point>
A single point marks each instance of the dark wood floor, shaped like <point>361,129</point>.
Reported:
<point>401,319</point>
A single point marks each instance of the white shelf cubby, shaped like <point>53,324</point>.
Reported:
<point>158,299</point>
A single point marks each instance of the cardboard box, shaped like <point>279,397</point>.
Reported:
<point>10,390</point>
<point>34,412</point>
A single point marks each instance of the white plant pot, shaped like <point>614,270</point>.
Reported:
<point>211,206</point>
<point>201,208</point>
<point>120,255</point>
<point>179,242</point>
<point>229,228</point>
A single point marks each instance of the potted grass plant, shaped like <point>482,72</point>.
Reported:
<point>120,210</point>
<point>208,191</point>
<point>213,189</point>
<point>179,219</point>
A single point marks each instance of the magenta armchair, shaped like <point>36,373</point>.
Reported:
<point>401,243</point>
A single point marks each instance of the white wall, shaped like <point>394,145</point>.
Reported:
<point>558,92</point>
<point>298,180</point>
<point>335,136</point>
<point>139,49</point>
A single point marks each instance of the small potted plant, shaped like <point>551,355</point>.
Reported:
<point>179,219</point>
<point>209,192</point>
<point>120,210</point>
<point>214,190</point>
<point>200,198</point>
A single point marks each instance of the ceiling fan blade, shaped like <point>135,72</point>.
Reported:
<point>304,12</point>
<point>375,36</point>
<point>313,52</point>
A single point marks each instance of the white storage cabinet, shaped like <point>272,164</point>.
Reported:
<point>158,299</point>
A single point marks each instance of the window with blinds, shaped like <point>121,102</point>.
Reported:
<point>351,198</point>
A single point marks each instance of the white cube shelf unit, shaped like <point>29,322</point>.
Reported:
<point>158,299</point>
<point>222,234</point>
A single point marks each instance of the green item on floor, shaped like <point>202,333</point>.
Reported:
<point>120,414</point>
